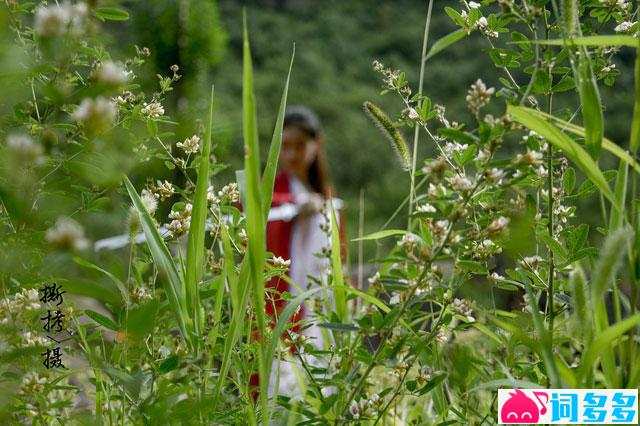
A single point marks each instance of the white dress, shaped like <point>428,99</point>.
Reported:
<point>307,240</point>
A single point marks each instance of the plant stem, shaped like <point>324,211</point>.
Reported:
<point>417,128</point>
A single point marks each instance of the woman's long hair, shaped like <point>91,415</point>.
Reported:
<point>308,122</point>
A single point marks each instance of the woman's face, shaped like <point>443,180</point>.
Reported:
<point>298,151</point>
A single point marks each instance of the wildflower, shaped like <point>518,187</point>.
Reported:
<point>411,114</point>
<point>483,155</point>
<point>462,307</point>
<point>152,110</point>
<point>442,336</point>
<point>425,208</point>
<point>24,148</point>
<point>140,294</point>
<point>424,374</point>
<point>533,158</point>
<point>32,384</point>
<point>494,276</point>
<point>67,234</point>
<point>96,114</point>
<point>190,145</point>
<point>395,299</point>
<point>530,262</point>
<point>211,196</point>
<point>451,147</point>
<point>495,174</point>
<point>230,192</point>
<point>460,183</point>
<point>30,340</point>
<point>354,409</point>
<point>164,190</point>
<point>624,27</point>
<point>479,96</point>
<point>622,4</point>
<point>180,221</point>
<point>542,172</point>
<point>485,249</point>
<point>53,21</point>
<point>440,110</point>
<point>607,68</point>
<point>27,299</point>
<point>474,5</point>
<point>483,25</point>
<point>436,168</point>
<point>280,262</point>
<point>408,242</point>
<point>498,225</point>
<point>111,74</point>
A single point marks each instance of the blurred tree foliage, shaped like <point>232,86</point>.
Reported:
<point>336,42</point>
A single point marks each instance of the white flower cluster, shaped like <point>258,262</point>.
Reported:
<point>483,25</point>
<point>485,249</point>
<point>190,145</point>
<point>152,110</point>
<point>280,262</point>
<point>230,193</point>
<point>366,407</point>
<point>533,158</point>
<point>479,96</point>
<point>97,114</point>
<point>180,221</point>
<point>27,300</point>
<point>32,384</point>
<point>56,20</point>
<point>162,190</point>
<point>67,235</point>
<point>111,74</point>
<point>624,26</point>
<point>30,340</point>
<point>463,308</point>
<point>24,149</point>
<point>620,4</point>
<point>460,183</point>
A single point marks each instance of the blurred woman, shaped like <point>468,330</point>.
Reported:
<point>302,181</point>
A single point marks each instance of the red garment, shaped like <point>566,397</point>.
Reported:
<point>279,243</point>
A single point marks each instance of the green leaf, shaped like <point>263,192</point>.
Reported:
<point>445,42</point>
<point>102,320</point>
<point>268,177</point>
<point>597,40</point>
<point>569,147</point>
<point>196,243</point>
<point>123,290</point>
<point>591,105</point>
<point>338,326</point>
<point>174,284</point>
<point>111,14</point>
<point>336,266</point>
<point>169,364</point>
<point>635,124</point>
<point>381,234</point>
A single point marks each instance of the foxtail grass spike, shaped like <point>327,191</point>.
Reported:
<point>382,121</point>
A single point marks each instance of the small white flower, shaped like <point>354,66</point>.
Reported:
<point>460,183</point>
<point>24,148</point>
<point>112,74</point>
<point>474,5</point>
<point>152,110</point>
<point>623,27</point>
<point>190,145</point>
<point>67,234</point>
<point>395,299</point>
<point>97,114</point>
<point>280,262</point>
<point>426,208</point>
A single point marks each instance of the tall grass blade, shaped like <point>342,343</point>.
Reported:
<point>544,340</point>
<point>336,266</point>
<point>195,245</point>
<point>255,214</point>
<point>607,144</point>
<point>635,124</point>
<point>592,41</point>
<point>568,146</point>
<point>268,177</point>
<point>591,105</point>
<point>609,262</point>
<point>617,214</point>
<point>174,284</point>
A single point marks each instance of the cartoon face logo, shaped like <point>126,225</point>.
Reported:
<point>519,408</point>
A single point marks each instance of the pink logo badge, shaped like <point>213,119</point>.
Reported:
<point>519,408</point>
